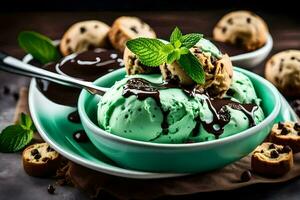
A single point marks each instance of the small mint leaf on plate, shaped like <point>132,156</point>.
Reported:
<point>192,67</point>
<point>149,51</point>
<point>15,137</point>
<point>175,35</point>
<point>189,40</point>
<point>39,46</point>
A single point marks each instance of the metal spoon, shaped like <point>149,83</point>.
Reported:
<point>14,65</point>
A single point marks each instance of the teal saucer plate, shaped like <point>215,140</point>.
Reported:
<point>54,127</point>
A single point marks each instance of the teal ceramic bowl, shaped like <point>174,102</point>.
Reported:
<point>178,158</point>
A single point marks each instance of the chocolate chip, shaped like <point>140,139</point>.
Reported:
<point>45,159</point>
<point>230,92</point>
<point>296,106</point>
<point>262,151</point>
<point>69,50</point>
<point>286,149</point>
<point>37,156</point>
<point>96,26</point>
<point>274,154</point>
<point>51,189</point>
<point>34,152</point>
<point>82,30</point>
<point>134,29</point>
<point>292,58</point>
<point>272,146</point>
<point>49,149</point>
<point>6,90</point>
<point>230,21</point>
<point>16,96</point>
<point>248,20</point>
<point>297,126</point>
<point>280,125</point>
<point>246,176</point>
<point>68,40</point>
<point>224,29</point>
<point>284,131</point>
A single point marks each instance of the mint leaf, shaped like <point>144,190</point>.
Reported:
<point>149,51</point>
<point>39,46</point>
<point>26,121</point>
<point>175,35</point>
<point>14,137</point>
<point>192,67</point>
<point>189,40</point>
<point>168,48</point>
<point>184,50</point>
<point>172,57</point>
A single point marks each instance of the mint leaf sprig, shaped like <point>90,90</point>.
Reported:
<point>15,137</point>
<point>153,52</point>
<point>39,46</point>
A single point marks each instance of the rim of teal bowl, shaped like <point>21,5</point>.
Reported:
<point>102,133</point>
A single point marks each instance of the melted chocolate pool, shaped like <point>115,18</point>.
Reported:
<point>221,116</point>
<point>87,66</point>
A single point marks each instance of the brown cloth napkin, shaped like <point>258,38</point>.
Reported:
<point>94,183</point>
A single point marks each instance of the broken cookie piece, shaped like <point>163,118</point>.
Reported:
<point>270,159</point>
<point>286,133</point>
<point>40,160</point>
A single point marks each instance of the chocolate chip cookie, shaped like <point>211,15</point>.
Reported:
<point>283,70</point>
<point>218,72</point>
<point>85,35</point>
<point>40,160</point>
<point>242,28</point>
<point>126,28</point>
<point>286,133</point>
<point>270,159</point>
<point>134,66</point>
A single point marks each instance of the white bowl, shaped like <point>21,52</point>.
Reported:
<point>253,58</point>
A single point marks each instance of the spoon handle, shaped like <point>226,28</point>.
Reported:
<point>14,65</point>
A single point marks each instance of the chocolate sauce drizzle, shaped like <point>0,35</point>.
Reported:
<point>143,89</point>
<point>88,66</point>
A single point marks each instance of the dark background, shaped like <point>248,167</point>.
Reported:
<point>288,7</point>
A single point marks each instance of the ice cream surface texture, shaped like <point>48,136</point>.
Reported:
<point>146,108</point>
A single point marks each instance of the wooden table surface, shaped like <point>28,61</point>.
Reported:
<point>15,184</point>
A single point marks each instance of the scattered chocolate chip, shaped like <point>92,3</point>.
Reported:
<point>248,20</point>
<point>224,29</point>
<point>82,30</point>
<point>246,176</point>
<point>280,125</point>
<point>16,96</point>
<point>292,58</point>
<point>134,29</point>
<point>96,26</point>
<point>45,159</point>
<point>272,146</point>
<point>34,152</point>
<point>37,156</point>
<point>297,126</point>
<point>272,62</point>
<point>286,149</point>
<point>49,149</point>
<point>6,90</point>
<point>274,154</point>
<point>262,151</point>
<point>80,136</point>
<point>284,131</point>
<point>51,189</point>
<point>230,21</point>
